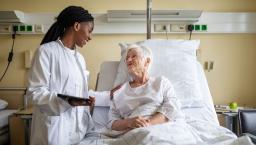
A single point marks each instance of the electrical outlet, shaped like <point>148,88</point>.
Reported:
<point>197,27</point>
<point>161,27</point>
<point>190,28</point>
<point>15,28</point>
<point>22,28</point>
<point>29,28</point>
<point>178,28</point>
<point>204,27</point>
<point>208,65</point>
<point>211,65</point>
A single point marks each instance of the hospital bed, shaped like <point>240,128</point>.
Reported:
<point>202,119</point>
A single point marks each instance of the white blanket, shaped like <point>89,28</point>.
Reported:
<point>173,133</point>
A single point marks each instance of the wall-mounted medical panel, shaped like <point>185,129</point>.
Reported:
<point>209,22</point>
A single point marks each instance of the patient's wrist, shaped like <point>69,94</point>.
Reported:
<point>150,122</point>
<point>121,125</point>
<point>128,123</point>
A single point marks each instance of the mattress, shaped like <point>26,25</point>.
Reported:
<point>4,114</point>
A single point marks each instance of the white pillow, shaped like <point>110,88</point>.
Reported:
<point>174,59</point>
<point>3,104</point>
<point>102,98</point>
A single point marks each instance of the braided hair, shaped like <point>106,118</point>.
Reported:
<point>66,19</point>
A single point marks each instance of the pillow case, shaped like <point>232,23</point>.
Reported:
<point>3,104</point>
<point>174,59</point>
<point>102,98</point>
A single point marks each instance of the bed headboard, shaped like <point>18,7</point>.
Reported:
<point>106,76</point>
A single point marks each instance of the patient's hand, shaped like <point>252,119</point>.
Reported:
<point>130,123</point>
<point>138,121</point>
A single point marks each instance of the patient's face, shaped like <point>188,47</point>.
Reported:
<point>135,61</point>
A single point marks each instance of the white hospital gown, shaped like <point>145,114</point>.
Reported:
<point>157,95</point>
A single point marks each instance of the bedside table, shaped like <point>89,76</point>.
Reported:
<point>26,116</point>
<point>229,120</point>
<point>19,124</point>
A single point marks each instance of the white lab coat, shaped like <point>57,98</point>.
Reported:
<point>58,69</point>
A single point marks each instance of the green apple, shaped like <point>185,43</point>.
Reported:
<point>233,105</point>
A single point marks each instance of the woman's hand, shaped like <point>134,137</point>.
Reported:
<point>137,122</point>
<point>92,104</point>
<point>92,98</point>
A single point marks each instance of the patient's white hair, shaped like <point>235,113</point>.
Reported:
<point>144,51</point>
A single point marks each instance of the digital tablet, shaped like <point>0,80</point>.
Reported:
<point>70,98</point>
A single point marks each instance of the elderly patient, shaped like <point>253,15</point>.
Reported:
<point>144,100</point>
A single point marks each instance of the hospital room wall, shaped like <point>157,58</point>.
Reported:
<point>234,56</point>
<point>232,79</point>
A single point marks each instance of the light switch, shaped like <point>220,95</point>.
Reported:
<point>39,28</point>
<point>178,28</point>
<point>28,58</point>
<point>5,28</point>
<point>160,27</point>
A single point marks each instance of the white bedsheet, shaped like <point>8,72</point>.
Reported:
<point>200,114</point>
<point>173,133</point>
<point>4,114</point>
<point>100,116</point>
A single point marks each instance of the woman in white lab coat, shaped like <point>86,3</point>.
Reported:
<point>58,68</point>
